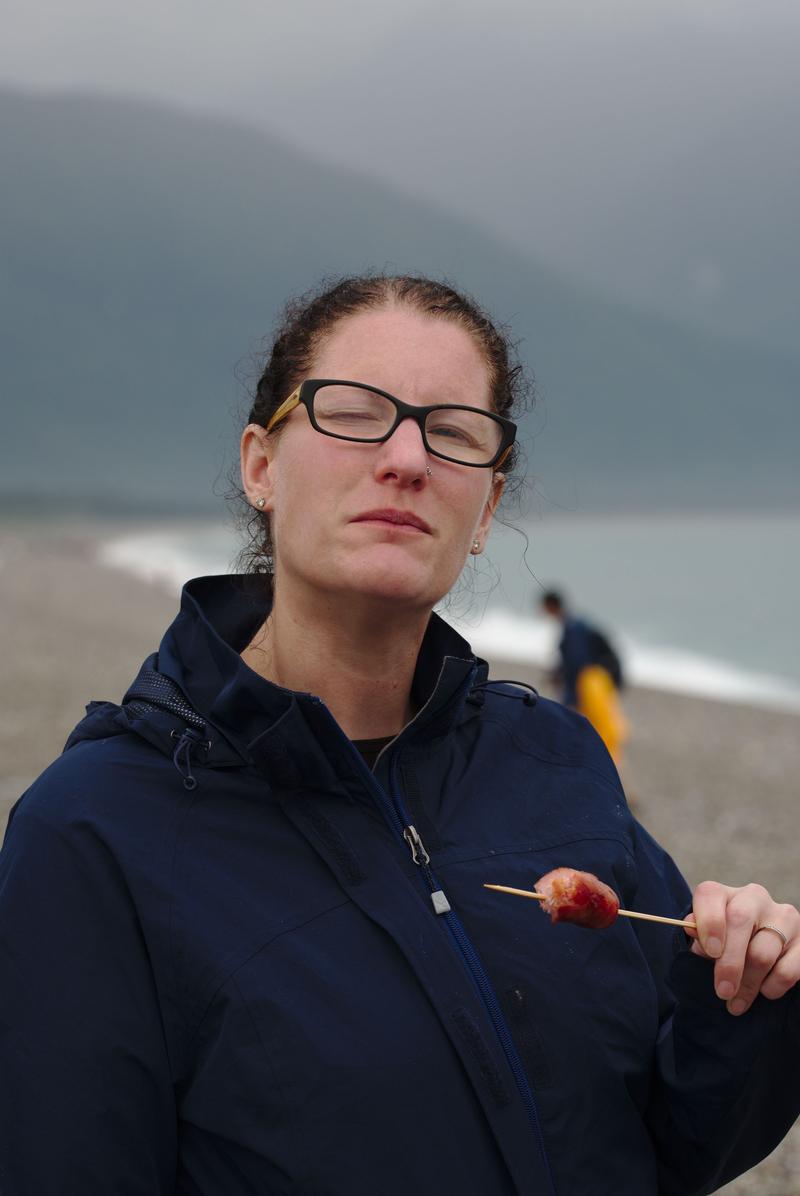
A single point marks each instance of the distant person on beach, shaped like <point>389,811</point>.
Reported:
<point>590,673</point>
<point>245,941</point>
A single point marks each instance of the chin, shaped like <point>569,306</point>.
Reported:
<point>395,585</point>
<point>386,575</point>
<point>400,594</point>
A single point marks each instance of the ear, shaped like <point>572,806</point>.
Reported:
<point>256,453</point>
<point>495,494</point>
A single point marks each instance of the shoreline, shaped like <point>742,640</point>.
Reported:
<point>168,555</point>
<point>715,782</point>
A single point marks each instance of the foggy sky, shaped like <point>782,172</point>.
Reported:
<point>642,148</point>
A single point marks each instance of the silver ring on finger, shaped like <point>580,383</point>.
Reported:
<point>775,930</point>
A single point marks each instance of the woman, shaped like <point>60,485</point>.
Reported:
<point>246,942</point>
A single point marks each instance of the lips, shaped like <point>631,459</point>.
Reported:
<point>398,518</point>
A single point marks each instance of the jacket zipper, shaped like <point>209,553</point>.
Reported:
<point>420,857</point>
<point>398,818</point>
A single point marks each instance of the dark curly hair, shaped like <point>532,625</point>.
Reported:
<point>307,320</point>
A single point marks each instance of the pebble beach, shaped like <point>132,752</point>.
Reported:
<point>717,784</point>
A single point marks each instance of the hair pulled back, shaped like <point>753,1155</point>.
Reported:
<point>308,319</point>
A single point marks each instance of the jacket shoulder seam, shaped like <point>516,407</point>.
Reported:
<point>557,759</point>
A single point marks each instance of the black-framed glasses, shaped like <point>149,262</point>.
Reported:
<point>354,411</point>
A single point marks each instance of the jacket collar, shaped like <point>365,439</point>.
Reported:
<point>201,653</point>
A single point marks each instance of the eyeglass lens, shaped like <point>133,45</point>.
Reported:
<point>355,414</point>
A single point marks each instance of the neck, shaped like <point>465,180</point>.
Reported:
<point>359,661</point>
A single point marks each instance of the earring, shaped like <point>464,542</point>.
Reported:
<point>476,546</point>
<point>261,502</point>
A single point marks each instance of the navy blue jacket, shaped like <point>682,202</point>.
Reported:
<point>226,971</point>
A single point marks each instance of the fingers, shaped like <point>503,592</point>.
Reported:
<point>761,954</point>
<point>785,972</point>
<point>745,961</point>
<point>709,906</point>
<point>749,958</point>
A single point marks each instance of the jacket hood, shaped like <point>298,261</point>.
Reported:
<point>198,687</point>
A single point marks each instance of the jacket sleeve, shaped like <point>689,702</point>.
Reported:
<point>86,1101</point>
<point>724,1090</point>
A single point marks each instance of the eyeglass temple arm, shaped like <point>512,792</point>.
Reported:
<point>286,406</point>
<point>497,464</point>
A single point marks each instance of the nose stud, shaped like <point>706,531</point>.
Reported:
<point>429,471</point>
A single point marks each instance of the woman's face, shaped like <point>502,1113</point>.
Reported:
<point>318,490</point>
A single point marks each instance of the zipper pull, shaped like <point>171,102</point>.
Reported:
<point>420,857</point>
<point>418,852</point>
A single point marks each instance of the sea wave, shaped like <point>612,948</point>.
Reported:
<point>168,558</point>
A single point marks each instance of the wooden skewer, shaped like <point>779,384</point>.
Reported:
<point>627,913</point>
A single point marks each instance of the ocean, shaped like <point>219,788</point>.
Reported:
<point>704,604</point>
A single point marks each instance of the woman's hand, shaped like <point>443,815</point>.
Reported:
<point>750,959</point>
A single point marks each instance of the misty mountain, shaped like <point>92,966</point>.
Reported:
<point>648,151</point>
<point>145,252</point>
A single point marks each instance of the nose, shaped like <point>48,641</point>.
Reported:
<point>403,457</point>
